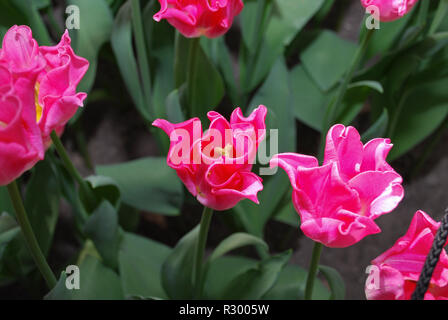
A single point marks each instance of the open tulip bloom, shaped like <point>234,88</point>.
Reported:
<point>211,18</point>
<point>394,274</point>
<point>38,94</point>
<point>339,201</point>
<point>215,166</point>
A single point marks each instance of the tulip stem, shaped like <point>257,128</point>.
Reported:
<point>30,238</point>
<point>312,272</point>
<point>72,170</point>
<point>200,249</point>
<point>191,74</point>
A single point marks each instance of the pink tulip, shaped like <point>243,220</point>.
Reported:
<point>216,165</point>
<point>394,274</point>
<point>20,140</point>
<point>339,201</point>
<point>56,97</point>
<point>390,10</point>
<point>38,94</point>
<point>193,18</point>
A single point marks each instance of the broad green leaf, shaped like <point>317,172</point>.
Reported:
<point>10,15</point>
<point>173,108</point>
<point>327,59</point>
<point>122,45</point>
<point>8,229</point>
<point>235,241</point>
<point>291,286</point>
<point>140,263</point>
<point>425,108</point>
<point>97,282</point>
<point>177,270</point>
<point>42,203</point>
<point>335,281</point>
<point>104,188</point>
<point>147,184</point>
<point>102,228</point>
<point>288,18</point>
<point>96,23</point>
<point>309,100</point>
<point>255,282</point>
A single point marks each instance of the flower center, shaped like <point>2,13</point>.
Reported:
<point>39,108</point>
<point>226,152</point>
<point>3,125</point>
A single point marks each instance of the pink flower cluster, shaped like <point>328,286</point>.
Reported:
<point>37,94</point>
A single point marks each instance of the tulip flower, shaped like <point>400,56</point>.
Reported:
<point>339,201</point>
<point>390,10</point>
<point>211,18</point>
<point>215,166</point>
<point>394,274</point>
<point>55,89</point>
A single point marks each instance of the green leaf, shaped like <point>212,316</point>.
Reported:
<point>104,188</point>
<point>375,85</point>
<point>309,100</point>
<point>147,184</point>
<point>235,241</point>
<point>335,281</point>
<point>173,108</point>
<point>255,282</point>
<point>177,270</point>
<point>95,29</point>
<point>140,264</point>
<point>291,286</point>
<point>8,229</point>
<point>327,59</point>
<point>426,107</point>
<point>97,282</point>
<point>288,18</point>
<point>102,228</point>
<point>122,45</point>
<point>30,9</point>
<point>207,86</point>
<point>42,203</point>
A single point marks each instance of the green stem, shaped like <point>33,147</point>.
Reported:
<point>142,53</point>
<point>30,238</point>
<point>333,108</point>
<point>72,170</point>
<point>200,249</point>
<point>191,74</point>
<point>312,272</point>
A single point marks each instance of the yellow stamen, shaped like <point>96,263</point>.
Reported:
<point>227,151</point>
<point>3,125</point>
<point>39,108</point>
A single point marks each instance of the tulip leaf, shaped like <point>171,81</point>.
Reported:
<point>288,215</point>
<point>102,228</point>
<point>97,282</point>
<point>42,203</point>
<point>327,59</point>
<point>177,270</point>
<point>426,107</point>
<point>235,241</point>
<point>335,282</point>
<point>122,45</point>
<point>147,184</point>
<point>105,188</point>
<point>96,23</point>
<point>5,201</point>
<point>173,108</point>
<point>253,283</point>
<point>140,264</point>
